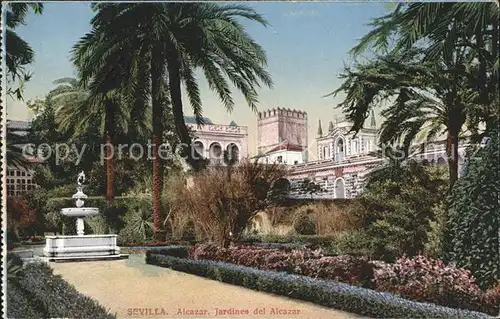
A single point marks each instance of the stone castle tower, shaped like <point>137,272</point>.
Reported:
<point>280,126</point>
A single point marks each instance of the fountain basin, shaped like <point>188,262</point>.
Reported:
<point>82,247</point>
<point>80,211</point>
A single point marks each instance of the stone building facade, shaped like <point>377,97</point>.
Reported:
<point>211,140</point>
<point>282,136</point>
<point>344,159</point>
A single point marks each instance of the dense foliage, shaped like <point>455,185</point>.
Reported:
<point>20,216</point>
<point>473,235</point>
<point>221,201</point>
<point>402,204</point>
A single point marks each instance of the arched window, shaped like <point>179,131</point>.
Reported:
<point>233,154</point>
<point>200,148</point>
<point>441,161</point>
<point>215,151</point>
<point>339,150</point>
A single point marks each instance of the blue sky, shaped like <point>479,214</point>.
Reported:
<point>307,45</point>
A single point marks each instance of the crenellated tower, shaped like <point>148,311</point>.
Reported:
<point>282,125</point>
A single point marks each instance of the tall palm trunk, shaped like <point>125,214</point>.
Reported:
<point>174,78</point>
<point>110,173</point>
<point>158,118</point>
<point>452,153</point>
<point>482,78</point>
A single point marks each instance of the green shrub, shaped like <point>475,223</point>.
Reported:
<point>111,214</point>
<point>18,304</point>
<point>138,225</point>
<point>402,205</point>
<point>435,235</point>
<point>473,235</point>
<point>352,243</point>
<point>97,224</point>
<point>221,202</point>
<point>304,225</point>
<point>38,293</point>
<point>327,293</point>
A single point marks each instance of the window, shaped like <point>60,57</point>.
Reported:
<point>296,162</point>
<point>23,181</point>
<point>23,187</point>
<point>18,173</point>
<point>30,187</point>
<point>339,156</point>
<point>279,159</point>
<point>23,173</point>
<point>354,147</point>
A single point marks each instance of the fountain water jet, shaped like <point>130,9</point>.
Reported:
<point>81,246</point>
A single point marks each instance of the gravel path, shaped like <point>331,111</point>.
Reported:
<point>133,289</point>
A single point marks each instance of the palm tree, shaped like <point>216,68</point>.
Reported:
<point>426,96</point>
<point>78,111</point>
<point>18,52</point>
<point>18,55</point>
<point>442,29</point>
<point>173,40</point>
<point>15,154</point>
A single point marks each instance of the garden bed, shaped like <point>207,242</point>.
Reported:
<point>327,293</point>
<point>419,279</point>
<point>35,292</point>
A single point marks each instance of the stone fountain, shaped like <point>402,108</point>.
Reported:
<point>81,246</point>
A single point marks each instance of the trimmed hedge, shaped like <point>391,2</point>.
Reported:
<point>37,293</point>
<point>327,293</point>
<point>174,251</point>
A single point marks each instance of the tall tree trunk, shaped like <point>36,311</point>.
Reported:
<point>452,153</point>
<point>494,77</point>
<point>482,79</point>
<point>494,50</point>
<point>110,132</point>
<point>158,119</point>
<point>193,158</point>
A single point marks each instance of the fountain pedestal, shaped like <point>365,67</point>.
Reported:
<point>81,246</point>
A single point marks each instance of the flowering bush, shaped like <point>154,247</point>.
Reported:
<point>419,278</point>
<point>425,279</point>
<point>491,300</point>
<point>349,269</point>
<point>19,215</point>
<point>329,293</point>
<point>312,263</point>
<point>278,259</point>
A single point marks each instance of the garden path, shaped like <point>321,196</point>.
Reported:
<point>133,289</point>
